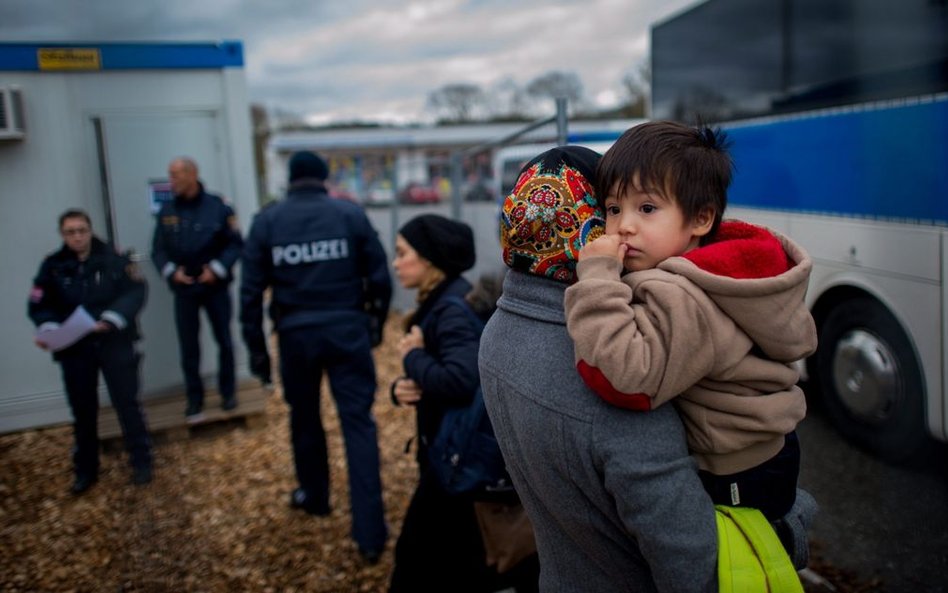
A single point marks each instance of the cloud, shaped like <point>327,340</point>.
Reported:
<point>368,59</point>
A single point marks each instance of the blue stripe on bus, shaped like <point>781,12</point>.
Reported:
<point>585,137</point>
<point>889,163</point>
<point>123,56</point>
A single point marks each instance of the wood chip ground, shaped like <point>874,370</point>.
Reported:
<point>216,518</point>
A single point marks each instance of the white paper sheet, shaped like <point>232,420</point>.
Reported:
<point>77,326</point>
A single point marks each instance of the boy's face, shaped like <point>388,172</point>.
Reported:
<point>651,226</point>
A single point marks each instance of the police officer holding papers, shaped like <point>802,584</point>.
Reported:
<point>331,290</point>
<point>88,273</point>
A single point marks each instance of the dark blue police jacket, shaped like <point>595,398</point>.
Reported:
<point>194,233</point>
<point>322,259</point>
<point>108,285</point>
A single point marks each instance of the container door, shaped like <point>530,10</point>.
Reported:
<point>135,150</point>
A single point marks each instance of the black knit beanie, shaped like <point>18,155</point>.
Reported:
<point>307,165</point>
<point>446,243</point>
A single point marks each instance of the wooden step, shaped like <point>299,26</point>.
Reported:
<point>164,414</point>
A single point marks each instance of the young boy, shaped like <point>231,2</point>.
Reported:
<point>674,303</point>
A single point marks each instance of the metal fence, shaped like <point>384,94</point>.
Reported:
<point>483,217</point>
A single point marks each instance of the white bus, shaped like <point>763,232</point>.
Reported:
<point>838,115</point>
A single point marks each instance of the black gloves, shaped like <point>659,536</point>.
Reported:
<point>377,314</point>
<point>259,357</point>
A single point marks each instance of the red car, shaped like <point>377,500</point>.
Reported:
<point>415,193</point>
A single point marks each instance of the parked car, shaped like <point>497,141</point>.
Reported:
<point>416,193</point>
<point>341,193</point>
<point>478,191</point>
<point>379,194</point>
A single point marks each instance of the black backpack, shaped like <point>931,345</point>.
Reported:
<point>464,454</point>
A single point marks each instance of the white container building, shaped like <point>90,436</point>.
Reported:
<point>94,126</point>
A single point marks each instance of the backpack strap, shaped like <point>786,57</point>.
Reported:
<point>750,556</point>
<point>463,304</point>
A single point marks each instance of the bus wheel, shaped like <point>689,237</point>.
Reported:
<point>871,381</point>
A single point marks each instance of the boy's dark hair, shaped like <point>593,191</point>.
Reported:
<point>74,213</point>
<point>690,164</point>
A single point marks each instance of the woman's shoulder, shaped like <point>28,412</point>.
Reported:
<point>451,309</point>
<point>448,306</point>
<point>454,289</point>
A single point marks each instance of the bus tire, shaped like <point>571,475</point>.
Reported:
<point>871,381</point>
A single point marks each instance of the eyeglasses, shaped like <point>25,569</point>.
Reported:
<point>76,231</point>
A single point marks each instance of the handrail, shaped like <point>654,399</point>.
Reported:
<point>458,156</point>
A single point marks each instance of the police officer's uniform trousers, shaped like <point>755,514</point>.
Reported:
<point>343,350</point>
<point>114,354</point>
<point>215,300</point>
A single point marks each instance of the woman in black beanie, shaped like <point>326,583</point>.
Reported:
<point>440,546</point>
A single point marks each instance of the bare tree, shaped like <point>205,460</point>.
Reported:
<point>637,85</point>
<point>261,135</point>
<point>508,100</point>
<point>283,120</point>
<point>555,84</point>
<point>458,102</point>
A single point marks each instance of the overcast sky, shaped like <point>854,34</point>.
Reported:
<point>372,59</point>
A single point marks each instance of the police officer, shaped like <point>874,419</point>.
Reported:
<point>195,246</point>
<point>88,272</point>
<point>331,293</point>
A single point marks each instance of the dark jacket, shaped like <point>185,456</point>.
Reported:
<point>194,233</point>
<point>322,259</point>
<point>107,284</point>
<point>446,369</point>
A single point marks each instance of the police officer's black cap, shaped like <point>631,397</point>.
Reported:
<point>446,243</point>
<point>307,165</point>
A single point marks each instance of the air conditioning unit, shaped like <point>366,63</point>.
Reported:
<point>11,113</point>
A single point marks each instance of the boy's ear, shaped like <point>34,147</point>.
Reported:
<point>702,223</point>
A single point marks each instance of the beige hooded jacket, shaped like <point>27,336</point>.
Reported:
<point>717,328</point>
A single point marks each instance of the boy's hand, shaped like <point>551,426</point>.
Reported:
<point>606,245</point>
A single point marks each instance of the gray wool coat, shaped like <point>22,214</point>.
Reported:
<point>613,495</point>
